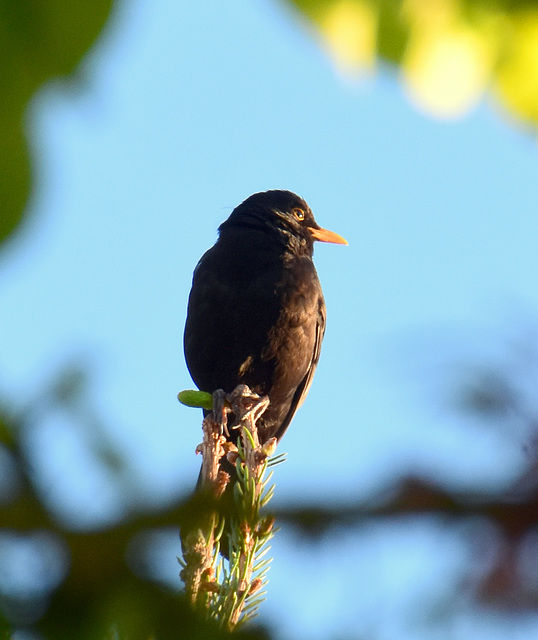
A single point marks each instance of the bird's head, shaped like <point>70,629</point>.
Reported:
<point>283,214</point>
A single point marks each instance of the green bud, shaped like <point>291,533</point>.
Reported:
<point>192,398</point>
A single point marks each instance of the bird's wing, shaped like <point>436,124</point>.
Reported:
<point>304,386</point>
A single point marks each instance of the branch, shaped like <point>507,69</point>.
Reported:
<point>224,586</point>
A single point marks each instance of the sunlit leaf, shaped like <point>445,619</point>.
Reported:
<point>517,79</point>
<point>450,53</point>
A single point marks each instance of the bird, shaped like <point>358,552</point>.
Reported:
<point>256,313</point>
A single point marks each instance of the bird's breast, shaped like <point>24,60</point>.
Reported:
<point>251,310</point>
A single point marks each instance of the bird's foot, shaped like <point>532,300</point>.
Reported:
<point>221,408</point>
<point>247,404</point>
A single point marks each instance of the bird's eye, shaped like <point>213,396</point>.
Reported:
<point>298,213</point>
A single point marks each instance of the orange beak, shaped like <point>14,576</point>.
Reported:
<point>324,235</point>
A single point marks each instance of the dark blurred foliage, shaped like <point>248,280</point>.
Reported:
<point>500,525</point>
<point>69,583</point>
<point>65,582</point>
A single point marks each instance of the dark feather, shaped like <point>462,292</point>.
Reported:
<point>256,313</point>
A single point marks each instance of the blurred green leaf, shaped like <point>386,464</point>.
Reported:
<point>450,53</point>
<point>39,40</point>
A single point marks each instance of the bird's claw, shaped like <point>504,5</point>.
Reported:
<point>221,409</point>
<point>246,404</point>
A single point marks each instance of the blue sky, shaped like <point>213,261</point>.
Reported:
<point>185,110</point>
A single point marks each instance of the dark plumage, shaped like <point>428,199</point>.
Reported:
<point>256,312</point>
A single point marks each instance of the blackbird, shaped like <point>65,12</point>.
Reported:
<point>256,313</point>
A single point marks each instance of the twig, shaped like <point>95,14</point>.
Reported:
<point>199,553</point>
<point>225,587</point>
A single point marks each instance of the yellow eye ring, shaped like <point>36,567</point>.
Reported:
<point>298,213</point>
